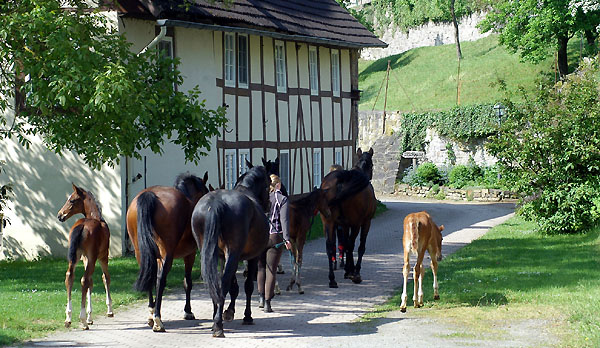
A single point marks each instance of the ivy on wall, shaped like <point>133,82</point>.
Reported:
<point>461,123</point>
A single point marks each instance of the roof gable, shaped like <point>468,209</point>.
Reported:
<point>317,19</point>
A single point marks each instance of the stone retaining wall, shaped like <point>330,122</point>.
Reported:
<point>479,195</point>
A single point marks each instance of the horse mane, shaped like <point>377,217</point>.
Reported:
<point>95,201</point>
<point>184,178</point>
<point>349,183</point>
<point>304,200</point>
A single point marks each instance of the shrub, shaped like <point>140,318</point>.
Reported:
<point>427,173</point>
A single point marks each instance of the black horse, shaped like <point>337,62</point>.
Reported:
<point>232,224</point>
<point>272,167</point>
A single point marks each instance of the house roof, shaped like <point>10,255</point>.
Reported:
<point>303,20</point>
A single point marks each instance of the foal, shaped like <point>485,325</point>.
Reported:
<point>420,234</point>
<point>89,237</point>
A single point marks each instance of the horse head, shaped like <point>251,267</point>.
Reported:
<point>192,186</point>
<point>73,205</point>
<point>365,162</point>
<point>272,167</point>
<point>256,181</point>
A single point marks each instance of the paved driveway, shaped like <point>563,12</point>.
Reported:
<point>321,317</point>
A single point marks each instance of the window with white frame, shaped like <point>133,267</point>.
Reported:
<point>284,169</point>
<point>244,156</point>
<point>317,167</point>
<point>229,56</point>
<point>335,72</point>
<point>165,46</point>
<point>313,68</point>
<point>338,156</point>
<point>280,72</point>
<point>230,169</point>
<point>243,61</point>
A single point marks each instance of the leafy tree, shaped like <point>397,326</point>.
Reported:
<point>549,149</point>
<point>359,15</point>
<point>78,85</point>
<point>538,28</point>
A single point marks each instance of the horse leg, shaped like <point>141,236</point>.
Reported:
<point>234,291</point>
<point>405,270</point>
<point>187,285</point>
<point>434,266</point>
<point>161,281</point>
<point>69,285</point>
<point>364,231</point>
<point>106,281</point>
<point>416,275</point>
<point>341,234</point>
<point>330,249</point>
<point>249,288</point>
<point>86,292</point>
<point>350,243</point>
<point>420,297</point>
<point>151,305</point>
<point>295,270</point>
<point>229,270</point>
<point>299,266</point>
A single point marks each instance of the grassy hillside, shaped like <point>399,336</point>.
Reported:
<point>425,78</point>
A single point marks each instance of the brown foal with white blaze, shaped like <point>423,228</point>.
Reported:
<point>89,237</point>
<point>420,234</point>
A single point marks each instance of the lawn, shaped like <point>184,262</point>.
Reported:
<point>512,273</point>
<point>425,78</point>
<point>34,298</point>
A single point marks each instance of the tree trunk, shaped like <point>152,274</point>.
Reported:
<point>563,64</point>
<point>590,36</point>
<point>458,51</point>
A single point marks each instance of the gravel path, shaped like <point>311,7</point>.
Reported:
<point>322,317</point>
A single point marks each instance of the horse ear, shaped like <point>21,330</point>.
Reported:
<point>371,151</point>
<point>359,152</point>
<point>205,179</point>
<point>264,162</point>
<point>441,228</point>
<point>77,189</point>
<point>250,165</point>
<point>210,187</point>
<point>277,161</point>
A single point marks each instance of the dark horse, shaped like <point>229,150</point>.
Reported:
<point>302,210</point>
<point>352,205</point>
<point>272,167</point>
<point>158,223</point>
<point>89,237</point>
<point>232,224</point>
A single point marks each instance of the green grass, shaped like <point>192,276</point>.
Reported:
<point>425,78</point>
<point>33,296</point>
<point>512,273</point>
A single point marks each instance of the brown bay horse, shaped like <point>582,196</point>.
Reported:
<point>420,234</point>
<point>232,224</point>
<point>158,223</point>
<point>302,210</point>
<point>352,203</point>
<point>89,238</point>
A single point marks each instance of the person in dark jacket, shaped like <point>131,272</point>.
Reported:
<point>279,236</point>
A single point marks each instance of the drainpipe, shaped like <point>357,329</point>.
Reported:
<point>160,36</point>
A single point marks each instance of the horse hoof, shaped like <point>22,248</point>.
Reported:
<point>436,297</point>
<point>356,279</point>
<point>403,309</point>
<point>150,322</point>
<point>333,285</point>
<point>189,316</point>
<point>110,314</point>
<point>228,315</point>
<point>67,324</point>
<point>248,321</point>
<point>219,334</point>
<point>301,292</point>
<point>91,322</point>
<point>157,328</point>
<point>85,327</point>
<point>277,292</point>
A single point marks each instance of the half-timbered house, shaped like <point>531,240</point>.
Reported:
<point>287,72</point>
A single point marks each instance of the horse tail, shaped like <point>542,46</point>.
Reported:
<point>414,239</point>
<point>75,241</point>
<point>210,248</point>
<point>146,203</point>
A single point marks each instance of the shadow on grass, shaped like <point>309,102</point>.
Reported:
<point>512,264</point>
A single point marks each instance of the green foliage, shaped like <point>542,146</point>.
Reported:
<point>5,195</point>
<point>466,175</point>
<point>537,29</point>
<point>362,15</point>
<point>81,87</point>
<point>548,149</point>
<point>427,173</point>
<point>459,123</point>
<point>408,14</point>
<point>451,154</point>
